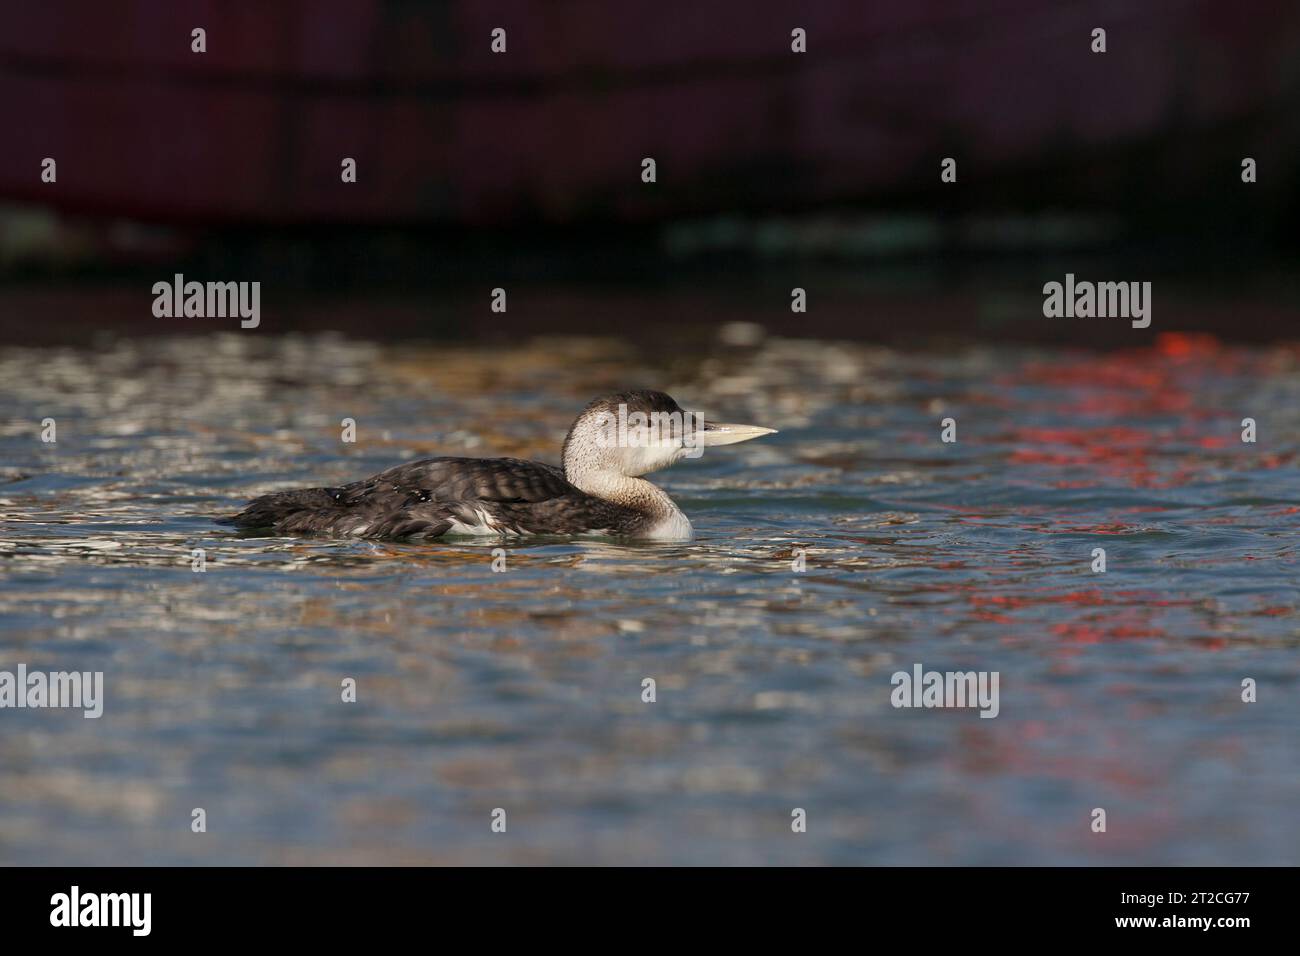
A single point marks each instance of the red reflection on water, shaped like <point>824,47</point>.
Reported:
<point>1183,345</point>
<point>1092,633</point>
<point>1123,389</point>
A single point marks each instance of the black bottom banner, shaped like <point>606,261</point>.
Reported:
<point>335,906</point>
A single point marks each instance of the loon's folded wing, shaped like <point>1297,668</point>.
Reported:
<point>468,479</point>
<point>422,498</point>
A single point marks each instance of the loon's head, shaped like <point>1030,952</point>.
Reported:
<point>634,433</point>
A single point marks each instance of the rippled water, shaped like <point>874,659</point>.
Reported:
<point>522,690</point>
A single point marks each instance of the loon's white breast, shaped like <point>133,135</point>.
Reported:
<point>673,527</point>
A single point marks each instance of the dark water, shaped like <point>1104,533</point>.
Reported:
<point>522,690</point>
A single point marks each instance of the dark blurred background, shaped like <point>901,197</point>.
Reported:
<point>775,169</point>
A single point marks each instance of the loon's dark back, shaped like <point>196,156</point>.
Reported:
<point>429,498</point>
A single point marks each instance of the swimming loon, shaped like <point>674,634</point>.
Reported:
<point>599,489</point>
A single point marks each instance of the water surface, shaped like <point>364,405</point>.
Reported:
<point>522,690</point>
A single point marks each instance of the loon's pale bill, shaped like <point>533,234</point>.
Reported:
<point>721,433</point>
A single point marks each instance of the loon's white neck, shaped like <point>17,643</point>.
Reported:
<point>666,521</point>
